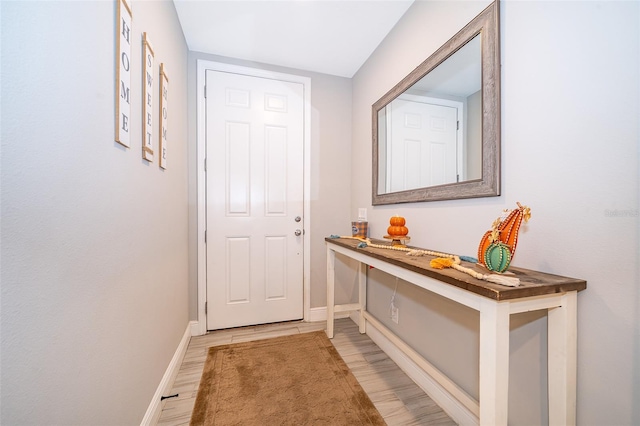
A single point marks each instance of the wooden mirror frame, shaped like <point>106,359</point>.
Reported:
<point>487,24</point>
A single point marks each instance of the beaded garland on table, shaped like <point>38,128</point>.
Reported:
<point>442,260</point>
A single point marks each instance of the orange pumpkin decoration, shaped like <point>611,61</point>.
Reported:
<point>397,231</point>
<point>505,232</point>
<point>397,221</point>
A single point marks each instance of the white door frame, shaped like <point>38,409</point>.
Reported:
<point>202,67</point>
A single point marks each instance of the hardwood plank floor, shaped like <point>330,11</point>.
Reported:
<point>398,399</point>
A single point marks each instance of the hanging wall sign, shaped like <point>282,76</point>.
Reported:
<point>164,89</point>
<point>123,74</point>
<point>147,99</point>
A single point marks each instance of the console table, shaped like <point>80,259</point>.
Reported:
<point>495,303</point>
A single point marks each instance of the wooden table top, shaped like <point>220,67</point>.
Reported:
<point>532,283</point>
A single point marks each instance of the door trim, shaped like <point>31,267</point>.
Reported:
<point>202,66</point>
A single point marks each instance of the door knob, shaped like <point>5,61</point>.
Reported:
<point>298,232</point>
<point>298,219</point>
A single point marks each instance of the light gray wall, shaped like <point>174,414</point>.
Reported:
<point>330,162</point>
<point>570,131</point>
<point>94,239</point>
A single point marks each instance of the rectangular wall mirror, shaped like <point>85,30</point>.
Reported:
<point>436,134</point>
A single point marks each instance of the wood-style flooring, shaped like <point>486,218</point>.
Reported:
<point>398,399</point>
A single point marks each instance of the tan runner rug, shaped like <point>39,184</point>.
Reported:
<point>291,380</point>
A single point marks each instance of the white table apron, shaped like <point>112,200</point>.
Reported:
<point>494,335</point>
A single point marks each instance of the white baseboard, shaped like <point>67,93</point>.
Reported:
<point>195,329</point>
<point>439,394</point>
<point>320,314</point>
<point>155,407</point>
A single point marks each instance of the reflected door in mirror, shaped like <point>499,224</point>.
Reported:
<point>423,144</point>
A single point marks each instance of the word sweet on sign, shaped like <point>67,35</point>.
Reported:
<point>123,74</point>
<point>164,92</point>
<point>147,97</point>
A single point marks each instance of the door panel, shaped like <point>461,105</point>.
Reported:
<point>254,138</point>
<point>424,145</point>
<point>238,267</point>
<point>237,146</point>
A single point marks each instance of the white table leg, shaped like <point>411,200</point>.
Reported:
<point>362,296</point>
<point>562,356</point>
<point>494,363</point>
<point>331,261</point>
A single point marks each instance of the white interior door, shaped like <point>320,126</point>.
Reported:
<point>254,207</point>
<point>424,144</point>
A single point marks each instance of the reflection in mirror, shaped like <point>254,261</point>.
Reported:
<point>431,134</point>
<point>436,133</point>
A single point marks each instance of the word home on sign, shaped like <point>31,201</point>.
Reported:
<point>123,74</point>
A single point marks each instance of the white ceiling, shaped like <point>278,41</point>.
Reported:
<point>327,36</point>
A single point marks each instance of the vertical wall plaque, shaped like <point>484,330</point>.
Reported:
<point>123,74</point>
<point>164,92</point>
<point>147,99</point>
